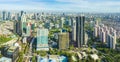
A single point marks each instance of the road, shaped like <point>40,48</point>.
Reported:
<point>28,55</point>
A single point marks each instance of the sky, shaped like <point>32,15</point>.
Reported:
<point>62,5</point>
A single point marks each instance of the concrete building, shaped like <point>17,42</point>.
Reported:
<point>74,31</point>
<point>96,31</point>
<point>94,57</point>
<point>103,37</point>
<point>63,40</point>
<point>106,35</point>
<point>86,38</point>
<point>42,39</point>
<point>112,42</point>
<point>11,52</point>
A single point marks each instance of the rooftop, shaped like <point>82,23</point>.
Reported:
<point>12,48</point>
<point>5,59</point>
<point>94,56</point>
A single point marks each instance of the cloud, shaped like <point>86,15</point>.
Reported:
<point>93,5</point>
<point>63,5</point>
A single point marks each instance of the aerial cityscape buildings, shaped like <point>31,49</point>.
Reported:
<point>105,34</point>
<point>59,31</point>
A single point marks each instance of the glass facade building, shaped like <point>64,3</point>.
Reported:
<point>42,39</point>
<point>80,31</point>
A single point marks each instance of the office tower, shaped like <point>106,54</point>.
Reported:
<point>80,30</point>
<point>4,15</point>
<point>74,31</point>
<point>28,29</point>
<point>37,16</point>
<point>21,13</point>
<point>33,26</point>
<point>42,39</point>
<point>63,40</point>
<point>66,21</point>
<point>23,23</point>
<point>70,21</point>
<point>17,27</point>
<point>9,16</point>
<point>62,22</point>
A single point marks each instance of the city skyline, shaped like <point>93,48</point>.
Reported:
<point>62,5</point>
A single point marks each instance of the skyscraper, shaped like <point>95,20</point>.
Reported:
<point>80,31</point>
<point>21,13</point>
<point>9,16</point>
<point>17,27</point>
<point>23,23</point>
<point>4,15</point>
<point>62,22</point>
<point>74,31</point>
<point>28,29</point>
<point>63,40</point>
<point>42,39</point>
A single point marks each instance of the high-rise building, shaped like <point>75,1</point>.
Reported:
<point>63,40</point>
<point>17,27</point>
<point>42,39</point>
<point>4,15</point>
<point>23,23</point>
<point>111,40</point>
<point>28,29</point>
<point>9,16</point>
<point>95,31</point>
<point>80,30</point>
<point>86,38</point>
<point>21,13</point>
<point>103,37</point>
<point>106,35</point>
<point>74,31</point>
<point>62,22</point>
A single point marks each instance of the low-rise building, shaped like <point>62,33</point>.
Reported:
<point>11,52</point>
<point>94,56</point>
<point>52,58</point>
<point>5,59</point>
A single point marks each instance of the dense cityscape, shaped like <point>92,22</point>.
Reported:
<point>59,31</point>
<point>59,37</point>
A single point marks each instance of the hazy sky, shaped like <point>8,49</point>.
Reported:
<point>62,5</point>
